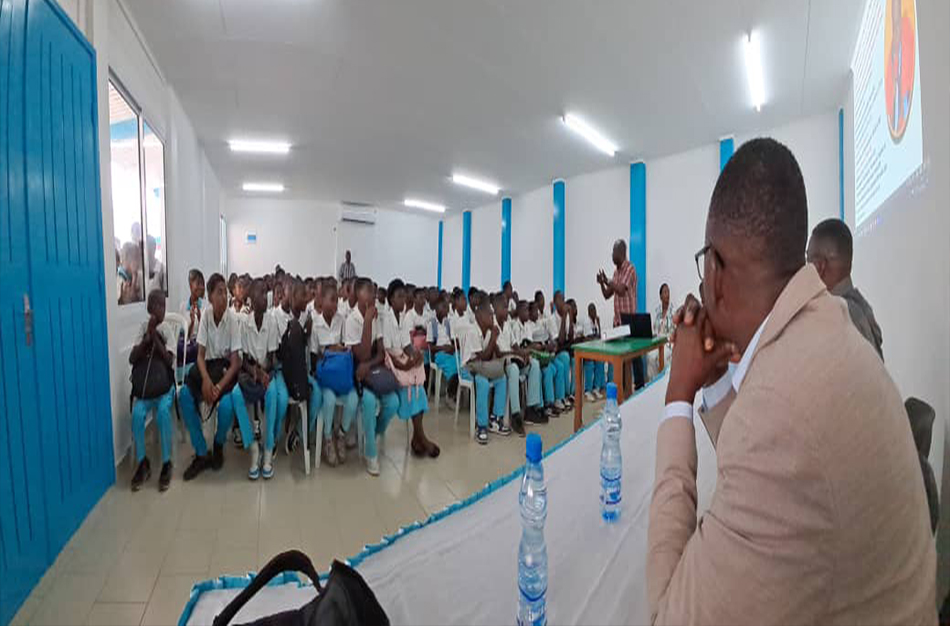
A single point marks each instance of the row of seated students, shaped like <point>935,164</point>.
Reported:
<point>369,349</point>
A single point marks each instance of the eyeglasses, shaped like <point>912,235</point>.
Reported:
<point>699,257</point>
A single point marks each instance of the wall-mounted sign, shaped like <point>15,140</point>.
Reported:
<point>250,238</point>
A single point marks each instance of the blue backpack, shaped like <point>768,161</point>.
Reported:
<point>335,371</point>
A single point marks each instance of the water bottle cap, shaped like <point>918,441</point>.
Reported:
<point>533,447</point>
<point>611,391</point>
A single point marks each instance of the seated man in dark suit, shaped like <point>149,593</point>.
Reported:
<point>830,250</point>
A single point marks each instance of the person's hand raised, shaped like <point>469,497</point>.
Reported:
<point>371,312</point>
<point>693,364</point>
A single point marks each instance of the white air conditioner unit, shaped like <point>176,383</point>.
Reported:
<point>359,216</point>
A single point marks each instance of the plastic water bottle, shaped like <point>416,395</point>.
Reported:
<point>611,461</point>
<point>532,553</point>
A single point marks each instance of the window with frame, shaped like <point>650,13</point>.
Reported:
<point>138,199</point>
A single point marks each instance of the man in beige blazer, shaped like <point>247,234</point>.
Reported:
<point>812,520</point>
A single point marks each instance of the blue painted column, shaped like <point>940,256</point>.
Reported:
<point>841,163</point>
<point>505,240</point>
<point>638,230</point>
<point>439,277</point>
<point>559,216</point>
<point>727,146</point>
<point>466,251</point>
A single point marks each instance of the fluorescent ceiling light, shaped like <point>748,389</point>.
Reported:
<point>265,187</point>
<point>586,131</point>
<point>259,147</point>
<point>475,183</point>
<point>425,206</point>
<point>753,69</point>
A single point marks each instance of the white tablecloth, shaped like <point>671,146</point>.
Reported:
<point>462,569</point>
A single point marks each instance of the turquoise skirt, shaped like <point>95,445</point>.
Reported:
<point>412,401</point>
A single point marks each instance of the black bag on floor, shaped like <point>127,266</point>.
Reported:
<point>217,368</point>
<point>345,600</point>
<point>293,360</point>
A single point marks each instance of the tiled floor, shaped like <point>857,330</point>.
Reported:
<point>135,558</point>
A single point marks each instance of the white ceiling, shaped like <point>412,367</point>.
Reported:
<point>384,99</point>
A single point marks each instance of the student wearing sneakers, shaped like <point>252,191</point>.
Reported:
<point>191,310</point>
<point>213,378</point>
<point>594,380</point>
<point>561,330</point>
<point>458,316</point>
<point>362,334</point>
<point>442,349</point>
<point>509,345</point>
<point>328,331</point>
<point>538,339</point>
<point>153,387</point>
<point>480,362</point>
<point>259,343</point>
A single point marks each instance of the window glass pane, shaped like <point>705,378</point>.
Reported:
<point>155,248</point>
<point>126,198</point>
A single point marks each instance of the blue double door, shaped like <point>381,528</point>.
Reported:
<point>56,447</point>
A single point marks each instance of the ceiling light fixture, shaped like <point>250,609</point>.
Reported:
<point>425,206</point>
<point>753,69</point>
<point>475,183</point>
<point>263,187</point>
<point>259,147</point>
<point>586,131</point>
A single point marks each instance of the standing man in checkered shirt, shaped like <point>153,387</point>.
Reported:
<point>622,287</point>
<point>347,269</point>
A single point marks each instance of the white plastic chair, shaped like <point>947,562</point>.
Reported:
<point>468,385</point>
<point>179,325</point>
<point>435,380</point>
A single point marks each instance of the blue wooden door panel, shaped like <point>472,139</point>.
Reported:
<point>66,268</point>
<point>24,553</point>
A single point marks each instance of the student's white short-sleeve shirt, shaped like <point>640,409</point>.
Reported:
<point>512,307</point>
<point>259,342</point>
<point>395,335</point>
<point>283,318</point>
<point>537,331</point>
<point>343,307</point>
<point>438,332</point>
<point>458,324</point>
<point>325,335</point>
<point>412,320</point>
<point>507,336</point>
<point>221,339</point>
<point>473,342</point>
<point>165,330</point>
<point>353,328</point>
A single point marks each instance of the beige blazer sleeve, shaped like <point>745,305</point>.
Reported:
<point>712,419</point>
<point>754,557</point>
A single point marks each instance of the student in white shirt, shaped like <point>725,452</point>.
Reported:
<point>361,333</point>
<point>561,330</point>
<point>509,345</point>
<point>259,343</point>
<point>154,346</point>
<point>442,348</point>
<point>382,300</point>
<point>219,339</point>
<point>239,303</point>
<point>328,332</point>
<point>539,339</point>
<point>458,316</point>
<point>480,344</point>
<point>191,310</point>
<point>594,381</point>
<point>406,361</point>
<point>298,298</point>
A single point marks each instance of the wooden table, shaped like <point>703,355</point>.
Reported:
<point>617,352</point>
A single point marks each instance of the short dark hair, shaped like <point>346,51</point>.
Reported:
<point>195,275</point>
<point>153,297</point>
<point>213,281</point>
<point>394,285</point>
<point>835,234</point>
<point>760,197</point>
<point>661,288</point>
<point>362,282</point>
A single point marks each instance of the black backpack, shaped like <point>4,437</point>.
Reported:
<point>345,600</point>
<point>293,359</point>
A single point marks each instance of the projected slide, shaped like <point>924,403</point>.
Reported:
<point>888,140</point>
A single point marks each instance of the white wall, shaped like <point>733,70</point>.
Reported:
<point>486,247</point>
<point>299,235</point>
<point>901,266</point>
<point>598,212</point>
<point>192,189</point>
<point>307,238</point>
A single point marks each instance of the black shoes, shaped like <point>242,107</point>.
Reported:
<point>198,465</point>
<point>165,479</point>
<point>517,424</point>
<point>142,473</point>
<point>217,457</point>
<point>534,415</point>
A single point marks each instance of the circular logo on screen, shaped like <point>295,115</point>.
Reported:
<point>900,47</point>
